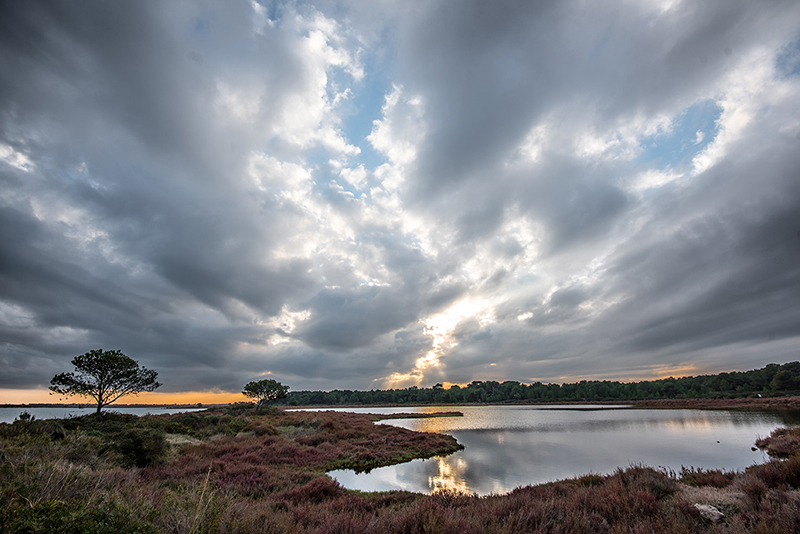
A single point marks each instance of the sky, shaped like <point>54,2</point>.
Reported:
<point>364,195</point>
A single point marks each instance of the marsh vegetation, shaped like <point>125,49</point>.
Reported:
<point>238,470</point>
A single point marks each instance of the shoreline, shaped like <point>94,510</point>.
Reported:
<point>743,403</point>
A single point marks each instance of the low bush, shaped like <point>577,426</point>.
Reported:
<point>239,408</point>
<point>781,443</point>
<point>139,447</point>
<point>754,488</point>
<point>265,429</point>
<point>706,477</point>
<point>792,466</point>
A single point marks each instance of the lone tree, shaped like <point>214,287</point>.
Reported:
<point>264,391</point>
<point>105,376</point>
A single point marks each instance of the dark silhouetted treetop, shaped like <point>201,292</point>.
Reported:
<point>264,391</point>
<point>104,376</point>
<point>772,380</point>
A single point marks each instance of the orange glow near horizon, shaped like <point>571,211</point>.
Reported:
<point>43,396</point>
<point>656,372</point>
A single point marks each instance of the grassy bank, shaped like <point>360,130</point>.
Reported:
<point>240,471</point>
<point>744,403</point>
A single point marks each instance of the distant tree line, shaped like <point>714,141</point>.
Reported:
<point>773,380</point>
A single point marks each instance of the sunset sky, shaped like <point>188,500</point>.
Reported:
<point>372,194</point>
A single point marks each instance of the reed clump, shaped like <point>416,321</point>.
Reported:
<point>241,471</point>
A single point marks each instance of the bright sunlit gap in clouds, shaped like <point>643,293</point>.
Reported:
<point>440,328</point>
<point>362,194</point>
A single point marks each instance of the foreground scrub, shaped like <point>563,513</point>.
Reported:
<point>250,472</point>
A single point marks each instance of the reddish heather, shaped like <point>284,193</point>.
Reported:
<point>297,447</point>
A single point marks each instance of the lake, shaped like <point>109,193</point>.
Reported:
<point>7,415</point>
<point>511,446</point>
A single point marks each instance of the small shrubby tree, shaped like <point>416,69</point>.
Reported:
<point>264,391</point>
<point>104,376</point>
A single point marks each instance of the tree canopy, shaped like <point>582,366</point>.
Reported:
<point>264,391</point>
<point>772,380</point>
<point>104,376</point>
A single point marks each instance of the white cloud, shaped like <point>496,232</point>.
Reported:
<point>653,178</point>
<point>356,177</point>
<point>745,93</point>
<point>401,129</point>
<point>14,158</point>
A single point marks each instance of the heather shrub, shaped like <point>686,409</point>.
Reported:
<point>175,427</point>
<point>82,449</point>
<point>317,439</point>
<point>781,443</point>
<point>329,426</point>
<point>248,517</point>
<point>792,470</point>
<point>754,488</point>
<point>318,490</point>
<point>140,447</point>
<point>190,421</point>
<point>265,429</point>
<point>589,480</point>
<point>239,408</point>
<point>230,425</point>
<point>55,430</point>
<point>27,425</point>
<point>706,477</point>
<point>687,510</point>
<point>110,422</point>
<point>772,474</point>
<point>647,479</point>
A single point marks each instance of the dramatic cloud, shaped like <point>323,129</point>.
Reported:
<point>361,195</point>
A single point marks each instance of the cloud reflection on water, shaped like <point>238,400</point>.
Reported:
<point>506,447</point>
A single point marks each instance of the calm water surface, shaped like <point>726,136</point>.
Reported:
<point>511,446</point>
<point>7,415</point>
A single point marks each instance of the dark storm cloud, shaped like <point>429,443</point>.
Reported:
<point>487,75</point>
<point>177,183</point>
<point>71,301</point>
<point>345,319</point>
<point>489,72</point>
<point>121,127</point>
<point>730,274</point>
<point>478,52</point>
<point>716,269</point>
<point>144,229</point>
